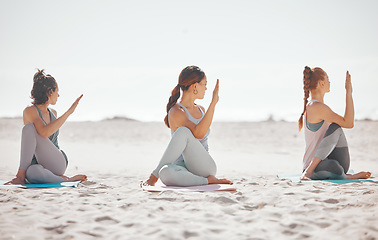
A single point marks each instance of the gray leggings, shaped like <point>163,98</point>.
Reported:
<point>199,163</point>
<point>334,153</point>
<point>51,161</point>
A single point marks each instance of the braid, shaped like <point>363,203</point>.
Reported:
<point>172,101</point>
<point>306,88</point>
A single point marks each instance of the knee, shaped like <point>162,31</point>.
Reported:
<point>28,129</point>
<point>335,167</point>
<point>183,130</point>
<point>167,175</point>
<point>33,173</point>
<point>333,127</point>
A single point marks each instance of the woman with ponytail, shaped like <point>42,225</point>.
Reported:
<point>186,161</point>
<point>41,159</point>
<point>327,154</point>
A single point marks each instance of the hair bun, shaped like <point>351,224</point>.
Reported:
<point>39,75</point>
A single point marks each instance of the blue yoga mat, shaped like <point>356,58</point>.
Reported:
<point>42,185</point>
<point>296,178</point>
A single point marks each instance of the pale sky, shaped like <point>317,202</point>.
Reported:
<point>125,56</point>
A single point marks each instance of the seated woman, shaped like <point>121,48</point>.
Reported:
<point>327,154</point>
<point>41,159</point>
<point>186,161</point>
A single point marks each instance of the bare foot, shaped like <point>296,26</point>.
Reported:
<point>75,178</point>
<point>213,180</point>
<point>16,181</point>
<point>150,182</point>
<point>360,175</point>
<point>64,177</point>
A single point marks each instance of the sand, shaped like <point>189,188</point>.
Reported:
<point>117,154</point>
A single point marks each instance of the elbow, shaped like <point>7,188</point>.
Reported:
<point>45,136</point>
<point>348,125</point>
<point>199,136</point>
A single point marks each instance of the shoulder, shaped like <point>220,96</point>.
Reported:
<point>176,112</point>
<point>317,111</point>
<point>316,107</point>
<point>29,114</point>
<point>30,110</point>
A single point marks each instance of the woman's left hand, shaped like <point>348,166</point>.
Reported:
<point>74,105</point>
<point>348,83</point>
<point>149,182</point>
<point>16,181</point>
<point>215,93</point>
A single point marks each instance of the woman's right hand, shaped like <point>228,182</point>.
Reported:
<point>215,93</point>
<point>348,83</point>
<point>305,177</point>
<point>74,105</point>
<point>150,182</point>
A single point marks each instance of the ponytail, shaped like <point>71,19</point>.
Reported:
<point>306,87</point>
<point>175,95</point>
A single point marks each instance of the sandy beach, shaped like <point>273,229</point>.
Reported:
<point>117,154</point>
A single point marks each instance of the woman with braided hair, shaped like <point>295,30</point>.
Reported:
<point>41,159</point>
<point>327,154</point>
<point>186,161</point>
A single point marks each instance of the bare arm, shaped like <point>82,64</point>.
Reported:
<point>30,115</point>
<point>177,118</point>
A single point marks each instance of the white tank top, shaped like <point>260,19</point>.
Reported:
<point>312,139</point>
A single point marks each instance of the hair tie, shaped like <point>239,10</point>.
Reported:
<point>178,85</point>
<point>302,114</point>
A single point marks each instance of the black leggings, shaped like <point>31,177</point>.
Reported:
<point>334,153</point>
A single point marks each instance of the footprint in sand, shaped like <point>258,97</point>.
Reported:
<point>322,224</point>
<point>224,200</point>
<point>332,201</point>
<point>58,229</point>
<point>106,219</point>
<point>188,234</point>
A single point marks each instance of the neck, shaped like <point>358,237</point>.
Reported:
<point>43,107</point>
<point>187,100</point>
<point>319,96</point>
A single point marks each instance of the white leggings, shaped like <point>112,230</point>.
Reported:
<point>51,161</point>
<point>199,163</point>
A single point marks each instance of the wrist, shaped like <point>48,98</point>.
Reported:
<point>66,114</point>
<point>307,174</point>
<point>212,104</point>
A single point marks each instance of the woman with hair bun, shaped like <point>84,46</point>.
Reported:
<point>327,154</point>
<point>186,161</point>
<point>41,159</point>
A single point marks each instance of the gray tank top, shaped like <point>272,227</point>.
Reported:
<point>203,141</point>
<point>54,137</point>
